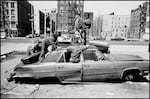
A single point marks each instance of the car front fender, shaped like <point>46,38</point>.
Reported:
<point>129,69</point>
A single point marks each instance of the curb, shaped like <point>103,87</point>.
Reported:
<point>4,56</point>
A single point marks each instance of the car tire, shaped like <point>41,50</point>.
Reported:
<point>128,77</point>
<point>131,76</point>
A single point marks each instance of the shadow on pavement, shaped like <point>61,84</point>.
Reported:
<point>46,80</point>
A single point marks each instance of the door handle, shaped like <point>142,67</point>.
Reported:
<point>86,65</point>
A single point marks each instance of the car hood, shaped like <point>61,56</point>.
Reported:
<point>124,57</point>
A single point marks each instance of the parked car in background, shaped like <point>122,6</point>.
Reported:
<point>29,36</point>
<point>133,40</point>
<point>117,39</point>
<point>3,37</point>
<point>146,37</point>
<point>93,66</point>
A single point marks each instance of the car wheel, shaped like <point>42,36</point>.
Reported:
<point>129,77</point>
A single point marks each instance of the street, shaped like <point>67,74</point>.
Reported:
<point>82,90</point>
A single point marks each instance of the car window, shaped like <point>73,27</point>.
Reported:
<point>61,60</point>
<point>90,56</point>
<point>52,57</point>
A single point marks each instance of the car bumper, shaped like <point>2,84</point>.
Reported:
<point>145,73</point>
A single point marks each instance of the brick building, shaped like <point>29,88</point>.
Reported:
<point>138,22</point>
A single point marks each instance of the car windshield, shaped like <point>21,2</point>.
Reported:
<point>52,57</point>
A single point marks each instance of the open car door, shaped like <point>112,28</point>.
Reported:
<point>68,71</point>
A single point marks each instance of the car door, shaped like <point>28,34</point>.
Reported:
<point>95,68</point>
<point>68,71</point>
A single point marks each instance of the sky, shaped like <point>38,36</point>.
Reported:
<point>97,7</point>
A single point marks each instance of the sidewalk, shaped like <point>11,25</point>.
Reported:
<point>16,38</point>
<point>7,48</point>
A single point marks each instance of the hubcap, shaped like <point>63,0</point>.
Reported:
<point>129,77</point>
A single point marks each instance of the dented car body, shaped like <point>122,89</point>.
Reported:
<point>93,66</point>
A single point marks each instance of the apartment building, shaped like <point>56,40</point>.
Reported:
<point>138,21</point>
<point>18,14</point>
<point>146,34</point>
<point>115,26</point>
<point>4,22</point>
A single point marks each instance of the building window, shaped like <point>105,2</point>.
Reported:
<point>6,4</point>
<point>7,12</point>
<point>112,30</point>
<point>13,24</point>
<point>13,18</point>
<point>61,1</point>
<point>116,30</point>
<point>12,5</point>
<point>12,12</point>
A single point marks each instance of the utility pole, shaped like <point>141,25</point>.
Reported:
<point>32,21</point>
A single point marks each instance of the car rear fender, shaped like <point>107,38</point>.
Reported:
<point>130,69</point>
<point>21,75</point>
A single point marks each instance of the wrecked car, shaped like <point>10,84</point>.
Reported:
<point>93,66</point>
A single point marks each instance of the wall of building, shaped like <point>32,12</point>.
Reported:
<point>115,25</point>
<point>24,15</point>
<point>138,21</point>
<point>11,16</point>
<point>147,19</point>
<point>3,18</point>
<point>41,22</point>
<point>36,20</point>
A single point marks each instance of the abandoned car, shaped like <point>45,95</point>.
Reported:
<point>93,66</point>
